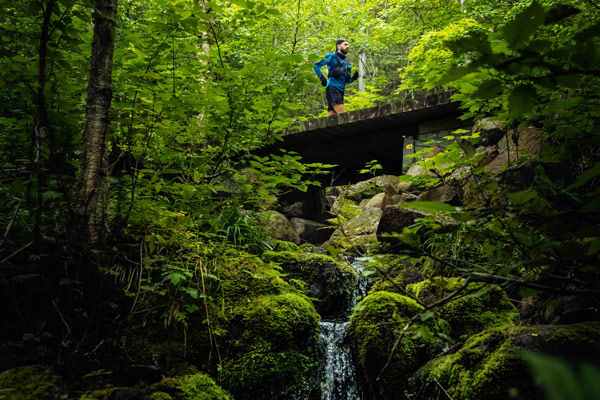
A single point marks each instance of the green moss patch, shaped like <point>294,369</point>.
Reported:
<point>485,306</point>
<point>33,382</point>
<point>328,280</point>
<point>489,365</point>
<point>375,327</point>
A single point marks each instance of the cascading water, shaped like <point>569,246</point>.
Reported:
<point>336,371</point>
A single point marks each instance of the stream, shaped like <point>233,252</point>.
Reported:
<point>337,372</point>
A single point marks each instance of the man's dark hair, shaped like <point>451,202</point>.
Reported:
<point>339,41</point>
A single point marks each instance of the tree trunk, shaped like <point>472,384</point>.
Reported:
<point>41,124</point>
<point>91,181</point>
<point>362,65</point>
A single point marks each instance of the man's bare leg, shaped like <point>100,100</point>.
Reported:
<point>330,112</point>
<point>339,108</point>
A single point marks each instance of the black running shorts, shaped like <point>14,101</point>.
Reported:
<point>334,97</point>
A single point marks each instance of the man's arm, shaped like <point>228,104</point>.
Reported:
<point>319,64</point>
<point>353,78</point>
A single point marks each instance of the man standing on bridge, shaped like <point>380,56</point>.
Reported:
<point>339,76</point>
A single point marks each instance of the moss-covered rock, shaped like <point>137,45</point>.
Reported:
<point>266,374</point>
<point>197,386</point>
<point>285,320</point>
<point>33,382</point>
<point>485,307</point>
<point>256,326</point>
<point>328,280</point>
<point>489,366</point>
<point>375,327</point>
<point>201,387</point>
<point>112,393</point>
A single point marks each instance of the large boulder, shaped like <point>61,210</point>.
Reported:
<point>374,328</point>
<point>516,144</point>
<point>311,231</point>
<point>370,187</point>
<point>374,202</point>
<point>279,227</point>
<point>359,230</point>
<point>416,170</point>
<point>444,193</point>
<point>490,132</point>
<point>295,209</point>
<point>329,281</point>
<point>490,365</point>
<point>393,220</point>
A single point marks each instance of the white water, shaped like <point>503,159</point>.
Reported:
<point>337,372</point>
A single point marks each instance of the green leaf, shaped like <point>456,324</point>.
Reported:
<point>520,29</point>
<point>426,315</point>
<point>594,247</point>
<point>488,89</point>
<point>522,99</point>
<point>557,377</point>
<point>430,206</point>
<point>523,196</point>
<point>585,177</point>
<point>467,147</point>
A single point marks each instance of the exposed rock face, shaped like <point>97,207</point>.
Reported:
<point>490,366</point>
<point>293,210</point>
<point>405,187</point>
<point>374,202</point>
<point>490,132</point>
<point>329,281</point>
<point>394,219</point>
<point>445,194</point>
<point>364,224</point>
<point>311,231</point>
<point>416,170</point>
<point>279,227</point>
<point>516,144</point>
<point>370,187</point>
<point>390,197</point>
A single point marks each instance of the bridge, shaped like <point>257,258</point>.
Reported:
<point>379,133</point>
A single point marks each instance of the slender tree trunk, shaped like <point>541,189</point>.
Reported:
<point>362,66</point>
<point>41,124</point>
<point>91,182</point>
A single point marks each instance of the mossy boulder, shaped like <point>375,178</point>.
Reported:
<point>264,373</point>
<point>485,305</point>
<point>329,281</point>
<point>201,387</point>
<point>33,382</point>
<point>197,386</point>
<point>284,321</point>
<point>258,327</point>
<point>490,367</point>
<point>375,327</point>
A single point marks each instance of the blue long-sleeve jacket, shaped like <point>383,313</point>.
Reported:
<point>332,62</point>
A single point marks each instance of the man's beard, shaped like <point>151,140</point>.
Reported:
<point>344,51</point>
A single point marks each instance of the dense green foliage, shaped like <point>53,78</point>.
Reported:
<point>185,270</point>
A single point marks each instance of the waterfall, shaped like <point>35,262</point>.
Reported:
<point>337,372</point>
